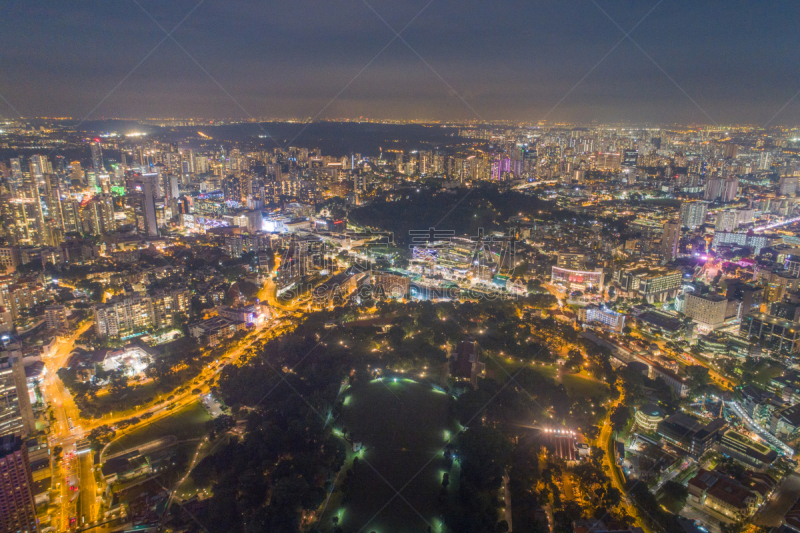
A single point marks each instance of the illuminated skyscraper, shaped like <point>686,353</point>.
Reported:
<point>16,414</point>
<point>97,156</point>
<point>17,508</point>
<point>142,195</point>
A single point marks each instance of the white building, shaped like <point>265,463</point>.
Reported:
<point>707,310</point>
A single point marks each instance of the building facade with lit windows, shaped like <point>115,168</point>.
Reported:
<point>775,335</point>
<point>689,433</point>
<point>125,314</point>
<point>600,315</point>
<point>17,507</point>
<point>648,417</point>
<point>734,499</point>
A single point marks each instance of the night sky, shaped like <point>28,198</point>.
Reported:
<point>738,60</point>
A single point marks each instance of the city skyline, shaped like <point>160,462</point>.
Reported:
<point>570,62</point>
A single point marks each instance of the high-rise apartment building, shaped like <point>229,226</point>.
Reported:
<point>98,215</point>
<point>55,316</point>
<point>17,508</point>
<point>669,240</point>
<point>693,214</point>
<point>129,313</point>
<point>724,190</point>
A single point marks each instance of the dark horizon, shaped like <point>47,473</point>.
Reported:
<point>684,63</point>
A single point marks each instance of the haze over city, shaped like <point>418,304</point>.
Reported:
<point>682,62</point>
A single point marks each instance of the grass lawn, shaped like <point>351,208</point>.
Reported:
<point>497,363</point>
<point>765,373</point>
<point>404,427</point>
<point>582,385</point>
<point>186,423</point>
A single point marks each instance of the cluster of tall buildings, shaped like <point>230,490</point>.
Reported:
<point>125,314</point>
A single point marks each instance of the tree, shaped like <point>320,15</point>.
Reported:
<point>674,495</point>
<point>484,453</point>
<point>469,405</point>
<point>119,384</point>
<point>699,377</point>
<point>396,335</point>
<point>619,418</point>
<point>574,359</point>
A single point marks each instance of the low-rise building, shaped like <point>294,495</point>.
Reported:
<point>786,423</point>
<point>594,314</point>
<point>689,433</point>
<point>729,497</point>
<point>746,450</point>
<point>212,330</point>
<point>648,417</point>
<point>678,384</point>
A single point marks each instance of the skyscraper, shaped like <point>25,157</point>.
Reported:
<point>16,175</point>
<point>98,215</point>
<point>97,156</point>
<point>17,508</point>
<point>730,190</point>
<point>669,240</point>
<point>24,218</point>
<point>143,195</point>
<point>16,414</point>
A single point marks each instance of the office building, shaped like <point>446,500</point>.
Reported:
<point>746,450</point>
<point>788,185</point>
<point>97,157</point>
<point>777,336</point>
<point>571,260</point>
<point>630,158</point>
<point>690,434</point>
<point>16,414</point>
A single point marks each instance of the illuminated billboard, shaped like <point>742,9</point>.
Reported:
<point>583,278</point>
